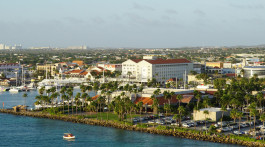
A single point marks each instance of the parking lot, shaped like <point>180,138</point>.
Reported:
<point>225,127</point>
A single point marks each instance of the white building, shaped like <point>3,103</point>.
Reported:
<point>143,70</point>
<point>111,67</point>
<point>214,114</point>
<point>9,66</point>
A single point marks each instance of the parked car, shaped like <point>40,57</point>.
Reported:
<point>243,125</point>
<point>160,122</point>
<point>186,125</point>
<point>151,121</point>
<point>238,133</point>
<point>226,129</point>
<point>175,124</point>
<point>136,119</point>
<point>234,127</point>
<point>222,123</point>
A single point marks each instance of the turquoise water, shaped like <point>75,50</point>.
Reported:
<point>27,131</point>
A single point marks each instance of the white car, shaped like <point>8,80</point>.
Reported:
<point>186,125</point>
<point>238,133</point>
<point>175,124</point>
<point>151,121</point>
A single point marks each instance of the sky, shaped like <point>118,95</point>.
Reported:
<point>132,23</point>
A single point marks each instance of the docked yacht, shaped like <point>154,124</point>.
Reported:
<point>14,89</point>
<point>4,89</point>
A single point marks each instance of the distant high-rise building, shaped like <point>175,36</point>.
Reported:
<point>4,46</point>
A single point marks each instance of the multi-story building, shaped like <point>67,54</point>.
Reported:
<point>215,64</point>
<point>160,69</point>
<point>9,66</point>
<point>50,68</point>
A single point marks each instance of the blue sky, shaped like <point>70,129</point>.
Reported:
<point>132,23</point>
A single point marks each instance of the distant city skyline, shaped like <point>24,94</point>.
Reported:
<point>132,23</point>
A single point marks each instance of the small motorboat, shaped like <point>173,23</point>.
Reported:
<point>68,136</point>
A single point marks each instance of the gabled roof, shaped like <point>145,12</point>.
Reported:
<point>137,60</point>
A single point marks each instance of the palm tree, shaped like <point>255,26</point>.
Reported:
<point>233,114</point>
<point>77,96</point>
<point>181,110</point>
<point>223,109</point>
<point>167,108</point>
<point>25,95</point>
<point>62,91</point>
<point>260,98</point>
<point>179,98</point>
<point>89,99</point>
<point>254,112</point>
<point>239,116</point>
<point>205,112</point>
<point>67,98</point>
<point>195,109</point>
<point>140,106</point>
<point>155,105</point>
<point>198,97</point>
<point>70,94</point>
<point>176,117</point>
<point>83,96</point>
<point>206,102</point>
<point>252,108</point>
<point>52,97</point>
<point>262,118</point>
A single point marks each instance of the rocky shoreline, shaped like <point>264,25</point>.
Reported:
<point>188,135</point>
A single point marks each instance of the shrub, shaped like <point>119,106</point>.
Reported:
<point>142,125</point>
<point>162,127</point>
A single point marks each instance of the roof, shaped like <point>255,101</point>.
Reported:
<point>230,74</point>
<point>137,60</point>
<point>74,72</point>
<point>163,61</point>
<point>95,97</point>
<point>168,61</point>
<point>84,73</point>
<point>211,109</point>
<point>172,79</point>
<point>147,100</point>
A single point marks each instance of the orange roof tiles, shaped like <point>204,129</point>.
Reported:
<point>147,100</point>
<point>83,73</point>
<point>95,97</point>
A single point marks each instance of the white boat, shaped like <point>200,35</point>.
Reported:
<point>4,89</point>
<point>13,89</point>
<point>68,136</point>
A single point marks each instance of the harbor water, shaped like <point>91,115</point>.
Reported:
<point>27,131</point>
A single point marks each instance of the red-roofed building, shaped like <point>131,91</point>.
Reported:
<point>76,73</point>
<point>161,100</point>
<point>143,70</point>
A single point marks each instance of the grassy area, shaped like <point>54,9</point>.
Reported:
<point>110,116</point>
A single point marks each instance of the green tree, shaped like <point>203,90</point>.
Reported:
<point>181,111</point>
<point>25,95</point>
<point>206,112</point>
<point>239,115</point>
